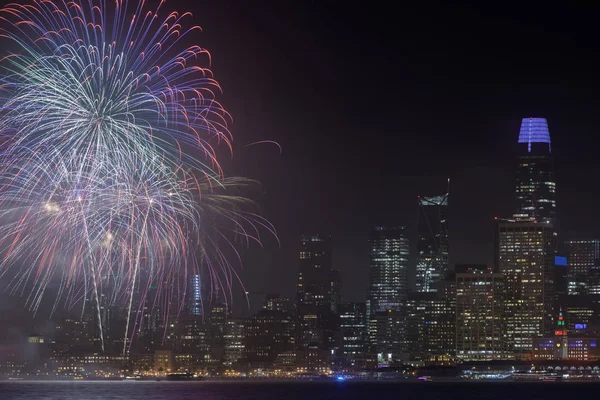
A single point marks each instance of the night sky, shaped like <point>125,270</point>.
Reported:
<point>374,105</point>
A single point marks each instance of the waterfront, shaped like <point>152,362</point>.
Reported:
<point>293,390</point>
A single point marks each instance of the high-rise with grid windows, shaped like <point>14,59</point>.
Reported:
<point>525,252</point>
<point>388,270</point>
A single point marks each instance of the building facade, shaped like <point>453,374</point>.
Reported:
<point>582,313</point>
<point>234,336</point>
<point>583,258</point>
<point>268,333</point>
<point>352,332</point>
<point>525,257</point>
<point>479,313</point>
<point>431,327</point>
<point>388,270</point>
<point>386,337</point>
<point>194,295</point>
<point>317,294</point>
<point>432,242</point>
<point>536,187</point>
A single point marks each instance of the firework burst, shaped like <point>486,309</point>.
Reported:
<point>109,178</point>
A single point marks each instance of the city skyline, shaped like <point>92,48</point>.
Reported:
<point>331,193</point>
<point>319,287</point>
<point>230,191</point>
<point>411,273</point>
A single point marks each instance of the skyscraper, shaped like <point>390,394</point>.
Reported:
<point>536,188</point>
<point>431,326</point>
<point>194,338</point>
<point>583,258</point>
<point>388,269</point>
<point>194,295</point>
<point>268,333</point>
<point>335,290</point>
<point>479,313</point>
<point>353,332</point>
<point>525,256</point>
<point>432,245</point>
<point>219,314</point>
<point>235,341</point>
<point>387,336</point>
<point>315,288</point>
<point>152,321</point>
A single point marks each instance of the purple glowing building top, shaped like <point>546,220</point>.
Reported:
<point>536,188</point>
<point>534,130</point>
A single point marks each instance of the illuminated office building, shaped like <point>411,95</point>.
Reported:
<point>388,276</point>
<point>219,315</point>
<point>194,295</point>
<point>525,256</point>
<point>194,337</point>
<point>583,258</point>
<point>431,324</point>
<point>353,332</point>
<point>536,188</point>
<point>386,336</point>
<point>275,302</point>
<point>267,334</point>
<point>234,336</point>
<point>317,293</point>
<point>479,313</point>
<point>582,315</point>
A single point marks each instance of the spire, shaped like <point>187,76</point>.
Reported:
<point>560,325</point>
<point>534,130</point>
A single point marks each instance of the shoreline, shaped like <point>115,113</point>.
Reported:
<point>314,381</point>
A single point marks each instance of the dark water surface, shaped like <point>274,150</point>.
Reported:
<point>79,390</point>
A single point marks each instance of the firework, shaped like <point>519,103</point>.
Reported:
<point>109,177</point>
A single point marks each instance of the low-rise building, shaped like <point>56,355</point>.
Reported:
<point>563,347</point>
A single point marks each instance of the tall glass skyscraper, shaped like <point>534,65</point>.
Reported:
<point>536,188</point>
<point>388,278</point>
<point>432,244</point>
